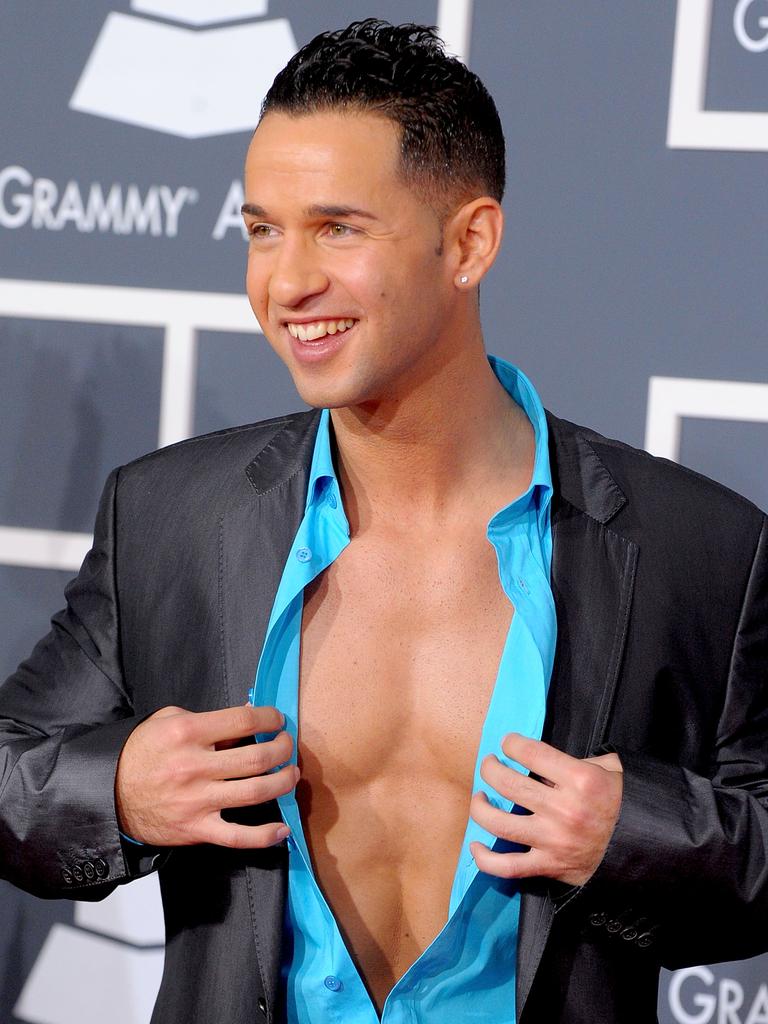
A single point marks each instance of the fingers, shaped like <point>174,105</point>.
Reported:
<point>226,744</point>
<point>520,789</point>
<point>570,824</point>
<point>172,781</point>
<point>251,759</point>
<point>242,837</point>
<point>539,757</point>
<point>508,865</point>
<point>515,828</point>
<point>211,727</point>
<point>245,792</point>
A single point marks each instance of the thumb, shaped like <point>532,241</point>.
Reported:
<point>609,762</point>
<point>169,712</point>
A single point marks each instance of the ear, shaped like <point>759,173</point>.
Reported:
<point>474,235</point>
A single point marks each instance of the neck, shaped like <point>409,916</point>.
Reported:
<point>456,441</point>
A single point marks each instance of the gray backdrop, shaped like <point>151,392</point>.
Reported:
<point>631,288</point>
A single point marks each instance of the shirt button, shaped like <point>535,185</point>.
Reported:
<point>304,554</point>
<point>333,983</point>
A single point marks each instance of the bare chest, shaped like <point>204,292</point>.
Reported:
<point>399,655</point>
<point>400,651</point>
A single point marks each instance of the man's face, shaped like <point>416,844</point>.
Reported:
<point>344,274</point>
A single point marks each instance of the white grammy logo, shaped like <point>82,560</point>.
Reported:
<point>189,82</point>
<point>106,968</point>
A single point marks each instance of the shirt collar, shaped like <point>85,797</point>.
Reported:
<point>322,473</point>
<point>324,486</point>
<point>519,388</point>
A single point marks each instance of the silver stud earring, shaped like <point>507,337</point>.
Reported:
<point>464,279</point>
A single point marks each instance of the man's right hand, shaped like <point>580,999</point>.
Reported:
<point>179,769</point>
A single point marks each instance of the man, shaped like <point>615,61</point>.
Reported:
<point>412,578</point>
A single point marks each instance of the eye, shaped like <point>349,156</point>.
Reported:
<point>340,230</point>
<point>260,230</point>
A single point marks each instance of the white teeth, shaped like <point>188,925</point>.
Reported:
<point>319,329</point>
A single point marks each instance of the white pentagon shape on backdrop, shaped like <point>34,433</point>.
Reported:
<point>83,978</point>
<point>111,971</point>
<point>132,913</point>
<point>201,12</point>
<point>184,82</point>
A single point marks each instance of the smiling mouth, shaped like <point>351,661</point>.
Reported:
<point>318,328</point>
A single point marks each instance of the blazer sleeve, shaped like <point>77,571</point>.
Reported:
<point>64,717</point>
<point>686,870</point>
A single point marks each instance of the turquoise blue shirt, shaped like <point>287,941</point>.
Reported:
<point>468,972</point>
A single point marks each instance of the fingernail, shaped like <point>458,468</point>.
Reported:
<point>283,832</point>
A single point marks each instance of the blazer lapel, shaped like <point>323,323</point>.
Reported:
<point>254,542</point>
<point>593,571</point>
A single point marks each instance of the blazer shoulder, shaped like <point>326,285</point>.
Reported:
<point>653,486</point>
<point>243,441</point>
<point>210,463</point>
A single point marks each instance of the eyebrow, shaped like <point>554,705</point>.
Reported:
<point>317,210</point>
<point>338,211</point>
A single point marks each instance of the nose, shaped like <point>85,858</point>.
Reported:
<point>296,274</point>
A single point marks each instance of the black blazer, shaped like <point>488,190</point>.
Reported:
<point>660,580</point>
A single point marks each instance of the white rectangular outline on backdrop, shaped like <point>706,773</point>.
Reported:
<point>180,315</point>
<point>454,26</point>
<point>671,399</point>
<point>690,126</point>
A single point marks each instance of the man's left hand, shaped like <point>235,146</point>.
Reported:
<point>573,804</point>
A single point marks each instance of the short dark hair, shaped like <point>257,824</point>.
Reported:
<point>451,140</point>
